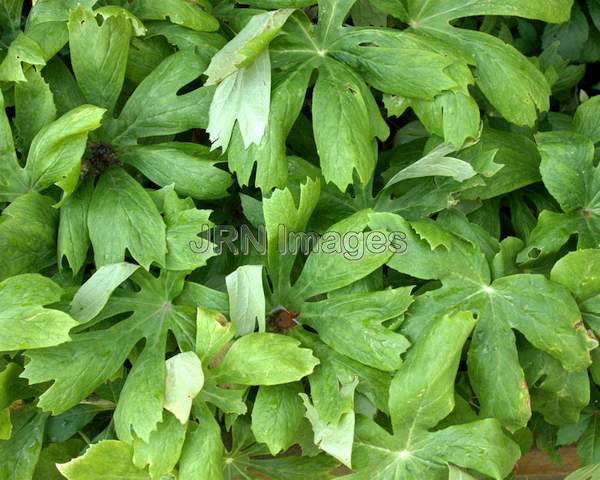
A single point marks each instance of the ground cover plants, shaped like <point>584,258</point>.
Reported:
<point>290,239</point>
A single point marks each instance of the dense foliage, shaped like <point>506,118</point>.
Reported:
<point>140,339</point>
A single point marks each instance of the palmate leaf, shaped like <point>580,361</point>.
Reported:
<point>557,394</point>
<point>502,161</point>
<point>344,62</point>
<point>152,317</point>
<point>155,108</point>
<point>352,325</point>
<point>421,394</point>
<point>266,358</point>
<point>512,84</point>
<point>246,458</point>
<point>442,71</point>
<point>195,444</point>
<point>330,408</point>
<point>435,253</point>
<point>359,339</point>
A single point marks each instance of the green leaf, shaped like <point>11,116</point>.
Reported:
<point>122,216</point>
<point>246,299</point>
<point>99,54</point>
<point>24,322</point>
<point>466,286</point>
<point>10,15</point>
<point>345,254</point>
<point>247,45</point>
<point>586,473</point>
<point>295,467</point>
<point>5,424</point>
<point>343,129</point>
<point>95,292</point>
<point>19,454</point>
<point>352,325</point>
<point>10,384</point>
<point>586,119</point>
<point>518,90</point>
<point>162,451</point>
<point>422,392</point>
<point>588,446</point>
<point>243,97</point>
<point>265,359</point>
<point>184,381</point>
<point>577,271</point>
<point>108,457</point>
<point>277,416</point>
<point>269,155</point>
<point>56,150</point>
<point>554,11</point>
<point>64,87</point>
<point>570,176</point>
<point>400,63</point>
<point>47,23</point>
<point>435,163</point>
<point>567,169</point>
<point>462,445</point>
<point>13,180</point>
<point>76,372</point>
<point>458,474</point>
<point>335,438</point>
<point>193,15</point>
<point>34,106</point>
<point>213,333</point>
<point>62,427</point>
<point>54,454</point>
<point>182,164</point>
<point>155,107</point>
<point>280,211</point>
<point>205,297</point>
<point>202,455</point>
<point>185,249</point>
<point>557,394</point>
<point>22,50</point>
<point>514,86</point>
<point>335,368</point>
<point>516,154</point>
<point>27,235</point>
<point>73,238</point>
<point>379,455</point>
